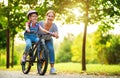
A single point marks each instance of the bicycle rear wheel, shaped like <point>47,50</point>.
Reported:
<point>26,66</point>
<point>42,62</point>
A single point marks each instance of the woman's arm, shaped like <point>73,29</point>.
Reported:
<point>55,34</point>
<point>55,29</point>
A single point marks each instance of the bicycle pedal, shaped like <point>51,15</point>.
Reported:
<point>31,58</point>
<point>22,63</point>
<point>32,64</point>
<point>42,59</point>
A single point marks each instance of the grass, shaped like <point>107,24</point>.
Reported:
<point>72,68</point>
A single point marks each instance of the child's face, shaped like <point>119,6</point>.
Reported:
<point>33,18</point>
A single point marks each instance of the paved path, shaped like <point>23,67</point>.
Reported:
<point>19,74</point>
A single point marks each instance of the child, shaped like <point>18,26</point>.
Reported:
<point>31,29</point>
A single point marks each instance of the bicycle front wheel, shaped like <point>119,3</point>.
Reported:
<point>42,62</point>
<point>26,66</point>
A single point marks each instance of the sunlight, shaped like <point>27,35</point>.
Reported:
<point>116,30</point>
<point>77,12</point>
<point>5,2</point>
<point>40,1</point>
<point>1,0</point>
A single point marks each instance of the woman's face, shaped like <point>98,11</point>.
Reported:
<point>50,17</point>
<point>33,18</point>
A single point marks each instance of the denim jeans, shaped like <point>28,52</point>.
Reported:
<point>29,41</point>
<point>50,47</point>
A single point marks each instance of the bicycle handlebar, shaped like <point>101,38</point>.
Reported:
<point>45,36</point>
<point>31,32</point>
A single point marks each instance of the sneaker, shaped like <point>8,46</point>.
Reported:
<point>52,71</point>
<point>24,58</point>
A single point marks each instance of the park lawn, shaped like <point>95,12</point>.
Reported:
<point>76,68</point>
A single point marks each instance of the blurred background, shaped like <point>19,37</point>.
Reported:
<point>89,30</point>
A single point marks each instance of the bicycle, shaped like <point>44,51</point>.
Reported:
<point>41,54</point>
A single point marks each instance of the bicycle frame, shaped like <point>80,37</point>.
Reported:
<point>39,51</point>
<point>34,53</point>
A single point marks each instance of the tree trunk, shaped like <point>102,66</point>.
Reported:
<point>7,47</point>
<point>12,55</point>
<point>84,38</point>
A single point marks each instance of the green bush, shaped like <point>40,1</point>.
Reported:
<point>64,54</point>
<point>17,58</point>
<point>2,39</point>
<point>19,49</point>
<point>76,50</point>
<point>112,53</point>
<point>2,59</point>
<point>107,47</point>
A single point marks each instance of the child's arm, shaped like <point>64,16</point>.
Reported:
<point>27,27</point>
<point>44,30</point>
<point>54,34</point>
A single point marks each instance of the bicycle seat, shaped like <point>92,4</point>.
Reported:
<point>33,43</point>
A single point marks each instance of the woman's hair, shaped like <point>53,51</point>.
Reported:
<point>50,11</point>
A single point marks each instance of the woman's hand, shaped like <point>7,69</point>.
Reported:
<point>54,34</point>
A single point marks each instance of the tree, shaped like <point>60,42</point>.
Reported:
<point>98,10</point>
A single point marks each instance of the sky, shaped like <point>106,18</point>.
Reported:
<point>74,29</point>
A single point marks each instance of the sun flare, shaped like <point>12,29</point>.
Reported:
<point>77,12</point>
<point>5,2</point>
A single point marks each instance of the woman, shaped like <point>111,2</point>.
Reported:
<point>48,24</point>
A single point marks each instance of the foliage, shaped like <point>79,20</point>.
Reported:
<point>106,12</point>
<point>98,10</point>
<point>2,58</point>
<point>99,42</point>
<point>64,54</point>
<point>94,11</point>
<point>76,50</point>
<point>2,39</point>
<point>112,49</point>
<point>17,58</point>
<point>14,15</point>
<point>107,47</point>
<point>19,50</point>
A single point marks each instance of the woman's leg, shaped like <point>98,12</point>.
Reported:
<point>50,47</point>
<point>49,44</point>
